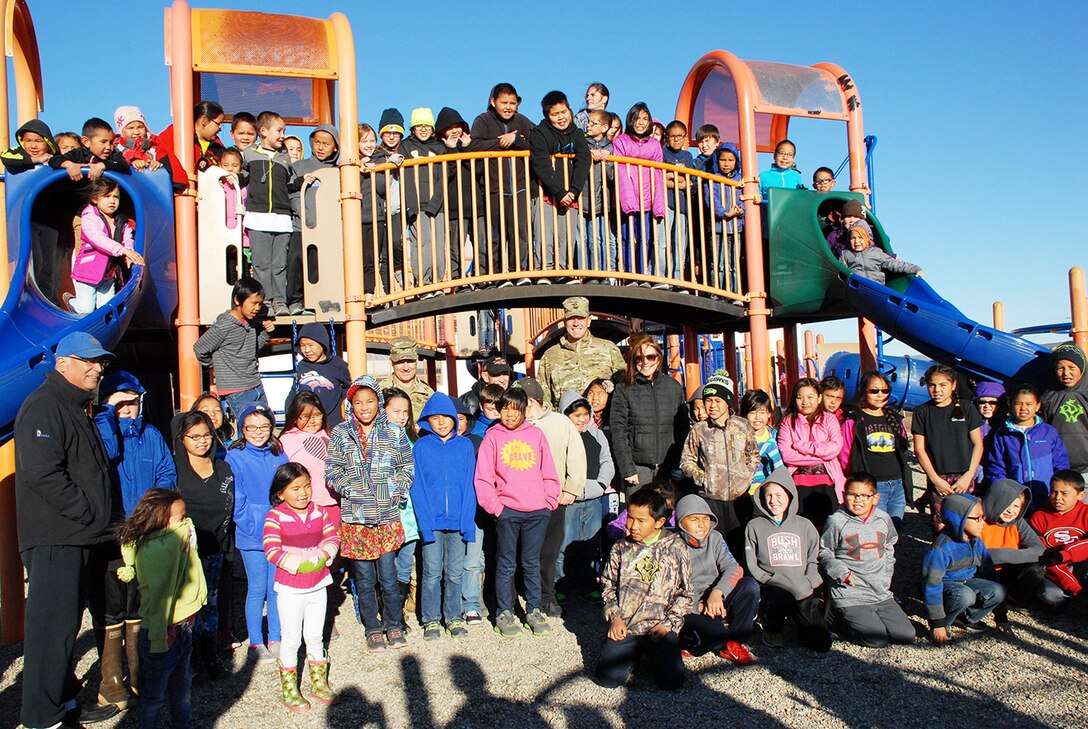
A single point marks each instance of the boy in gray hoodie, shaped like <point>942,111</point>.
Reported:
<point>726,602</point>
<point>857,553</point>
<point>1013,545</point>
<point>781,549</point>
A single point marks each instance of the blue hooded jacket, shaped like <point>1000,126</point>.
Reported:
<point>329,378</point>
<point>953,556</point>
<point>253,470</point>
<point>139,457</point>
<point>1029,458</point>
<point>443,488</point>
<point>721,207</point>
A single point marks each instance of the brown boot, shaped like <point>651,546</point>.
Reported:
<point>132,650</point>
<point>112,689</point>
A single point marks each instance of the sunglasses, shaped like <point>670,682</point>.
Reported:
<point>878,390</point>
<point>647,357</point>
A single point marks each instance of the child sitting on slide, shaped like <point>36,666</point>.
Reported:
<point>870,262</point>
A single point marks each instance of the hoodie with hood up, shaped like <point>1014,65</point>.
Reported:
<point>600,470</point>
<point>372,471</point>
<point>1013,542</point>
<point>254,468</point>
<point>953,557</point>
<point>443,491</point>
<point>720,202</point>
<point>712,566</point>
<point>139,456</point>
<point>313,164</point>
<point>16,159</point>
<point>1066,408</point>
<point>457,207</point>
<point>328,378</point>
<point>782,554</point>
<point>862,549</point>
<point>1026,455</point>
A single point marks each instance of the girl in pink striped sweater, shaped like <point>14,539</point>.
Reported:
<point>300,539</point>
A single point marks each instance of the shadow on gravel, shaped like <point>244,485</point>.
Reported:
<point>355,711</point>
<point>481,707</point>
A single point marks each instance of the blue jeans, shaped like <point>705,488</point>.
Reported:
<point>527,529</point>
<point>406,561</point>
<point>236,401</point>
<point>638,242</point>
<point>367,574</point>
<point>597,238</point>
<point>261,576</point>
<point>472,580</point>
<point>207,620</point>
<point>166,676</point>
<point>579,549</point>
<point>892,498</point>
<point>677,223</point>
<point>443,571</point>
<point>975,598</point>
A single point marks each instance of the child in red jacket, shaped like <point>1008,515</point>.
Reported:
<point>1063,525</point>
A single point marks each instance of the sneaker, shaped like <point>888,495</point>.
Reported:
<point>573,281</point>
<point>260,655</point>
<point>545,281</point>
<point>595,597</point>
<point>395,637</point>
<point>612,281</point>
<point>660,286</point>
<point>1006,629</point>
<point>775,639</point>
<point>507,284</point>
<point>524,281</point>
<point>538,623</point>
<point>963,624</point>
<point>737,653</point>
<point>375,643</point>
<point>552,610</point>
<point>66,300</point>
<point>507,624</point>
<point>428,295</point>
<point>296,309</point>
<point>280,309</point>
<point>457,629</point>
<point>685,655</point>
<point>473,617</point>
<point>561,598</point>
<point>432,630</point>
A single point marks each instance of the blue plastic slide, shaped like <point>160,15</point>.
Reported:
<point>31,326</point>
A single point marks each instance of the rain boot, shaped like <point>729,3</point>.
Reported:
<point>210,657</point>
<point>132,651</point>
<point>319,682</point>
<point>112,689</point>
<point>292,699</point>
<point>408,601</point>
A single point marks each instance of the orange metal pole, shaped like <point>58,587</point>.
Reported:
<point>819,341</point>
<point>692,371</point>
<point>810,355</point>
<point>351,208</point>
<point>999,315</point>
<point>5,273</point>
<point>530,333</point>
<point>855,128</point>
<point>181,102</point>
<point>867,344</point>
<point>1078,305</point>
<point>675,360</point>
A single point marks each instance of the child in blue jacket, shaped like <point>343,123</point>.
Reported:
<point>953,591</point>
<point>444,496</point>
<point>1024,448</point>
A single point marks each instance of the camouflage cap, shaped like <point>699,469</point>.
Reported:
<point>402,349</point>
<point>575,306</point>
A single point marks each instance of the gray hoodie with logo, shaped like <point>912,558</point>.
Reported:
<point>782,554</point>
<point>862,550</point>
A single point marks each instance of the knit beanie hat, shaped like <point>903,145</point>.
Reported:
<point>391,121</point>
<point>1069,352</point>
<point>852,209</point>
<point>864,228</point>
<point>125,115</point>
<point>422,117</point>
<point>719,385</point>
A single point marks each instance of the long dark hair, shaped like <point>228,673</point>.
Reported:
<point>188,421</point>
<point>632,114</point>
<point>298,404</point>
<point>151,514</point>
<point>395,393</point>
<point>285,474</point>
<point>226,431</point>
<point>950,373</point>
<point>791,408</point>
<point>867,381</point>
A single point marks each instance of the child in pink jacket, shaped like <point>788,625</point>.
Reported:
<point>642,194</point>
<point>810,440</point>
<point>105,244</point>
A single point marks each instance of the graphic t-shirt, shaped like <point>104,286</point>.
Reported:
<point>878,440</point>
<point>948,438</point>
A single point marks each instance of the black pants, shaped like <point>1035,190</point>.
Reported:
<point>809,615</point>
<point>618,658</point>
<point>294,268</point>
<point>110,600</point>
<point>517,236</point>
<point>816,503</point>
<point>702,634</point>
<point>54,610</point>
<point>1023,582</point>
<point>370,259</point>
<point>549,554</point>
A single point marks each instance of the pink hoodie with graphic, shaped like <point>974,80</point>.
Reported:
<point>514,469</point>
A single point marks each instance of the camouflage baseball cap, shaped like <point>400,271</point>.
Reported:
<point>575,306</point>
<point>402,349</point>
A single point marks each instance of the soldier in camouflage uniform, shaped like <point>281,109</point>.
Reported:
<point>405,361</point>
<point>579,357</point>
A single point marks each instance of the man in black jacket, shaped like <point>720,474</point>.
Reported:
<point>64,504</point>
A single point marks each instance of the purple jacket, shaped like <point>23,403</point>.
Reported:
<point>97,245</point>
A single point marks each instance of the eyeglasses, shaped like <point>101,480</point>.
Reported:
<point>678,136</point>
<point>314,415</point>
<point>860,497</point>
<point>647,357</point>
<point>878,390</point>
<point>976,518</point>
<point>823,182</point>
<point>784,154</point>
<point>206,436</point>
<point>103,363</point>
<point>258,429</point>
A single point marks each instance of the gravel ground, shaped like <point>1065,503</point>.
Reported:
<point>1038,679</point>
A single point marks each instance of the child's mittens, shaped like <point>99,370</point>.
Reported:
<point>127,573</point>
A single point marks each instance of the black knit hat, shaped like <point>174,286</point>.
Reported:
<point>851,208</point>
<point>719,385</point>
<point>392,121</point>
<point>1069,352</point>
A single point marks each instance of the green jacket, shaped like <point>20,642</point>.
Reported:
<point>172,588</point>
<point>573,365</point>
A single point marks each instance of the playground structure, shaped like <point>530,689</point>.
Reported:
<point>788,277</point>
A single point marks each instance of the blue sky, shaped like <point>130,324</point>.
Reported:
<point>976,106</point>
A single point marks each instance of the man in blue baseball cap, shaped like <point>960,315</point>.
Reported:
<point>64,502</point>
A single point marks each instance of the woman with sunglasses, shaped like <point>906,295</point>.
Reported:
<point>206,483</point>
<point>875,441</point>
<point>648,418</point>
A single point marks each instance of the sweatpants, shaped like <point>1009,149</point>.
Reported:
<point>270,262</point>
<point>618,658</point>
<point>54,610</point>
<point>302,618</point>
<point>877,625</point>
<point>525,529</point>
<point>702,634</point>
<point>294,268</point>
<point>808,616</point>
<point>549,554</point>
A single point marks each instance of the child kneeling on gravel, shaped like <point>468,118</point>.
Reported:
<point>647,595</point>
